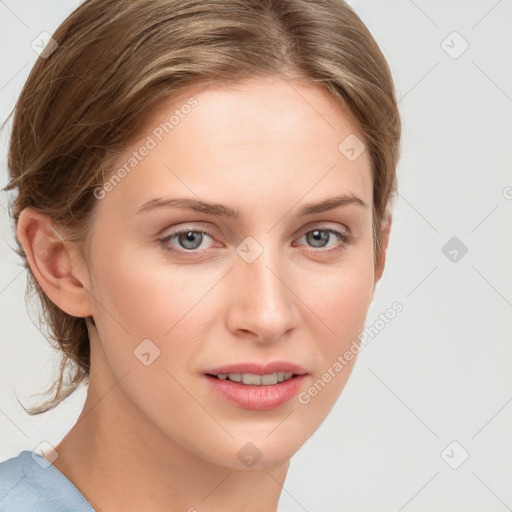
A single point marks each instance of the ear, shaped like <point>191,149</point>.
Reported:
<point>381,260</point>
<point>54,263</point>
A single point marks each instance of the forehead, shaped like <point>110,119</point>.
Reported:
<point>260,137</point>
<point>253,112</point>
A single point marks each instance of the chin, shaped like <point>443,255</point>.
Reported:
<point>254,448</point>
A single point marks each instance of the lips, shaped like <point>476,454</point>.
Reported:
<point>258,368</point>
<point>253,395</point>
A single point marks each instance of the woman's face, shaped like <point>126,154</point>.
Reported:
<point>264,278</point>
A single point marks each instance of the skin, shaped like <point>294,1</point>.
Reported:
<point>157,437</point>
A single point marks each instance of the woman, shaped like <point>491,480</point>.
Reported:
<point>203,206</point>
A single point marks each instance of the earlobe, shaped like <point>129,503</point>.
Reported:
<point>50,259</point>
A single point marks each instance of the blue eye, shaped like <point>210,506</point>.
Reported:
<point>318,238</point>
<point>189,239</point>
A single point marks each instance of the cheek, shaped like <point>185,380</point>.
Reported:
<point>342,305</point>
<point>149,298</point>
<point>139,300</point>
<point>339,299</point>
<point>340,296</point>
<point>164,304</point>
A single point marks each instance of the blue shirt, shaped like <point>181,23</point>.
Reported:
<point>29,483</point>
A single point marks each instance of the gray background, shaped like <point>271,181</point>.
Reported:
<point>441,370</point>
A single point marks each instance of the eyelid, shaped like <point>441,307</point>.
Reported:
<point>164,240</point>
<point>204,227</point>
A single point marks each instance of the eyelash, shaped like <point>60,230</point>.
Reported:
<point>346,239</point>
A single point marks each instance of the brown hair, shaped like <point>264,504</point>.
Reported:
<point>116,59</point>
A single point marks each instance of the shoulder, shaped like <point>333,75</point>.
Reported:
<point>29,482</point>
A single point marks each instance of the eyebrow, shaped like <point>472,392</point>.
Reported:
<point>226,211</point>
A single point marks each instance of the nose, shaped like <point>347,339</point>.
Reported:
<point>263,303</point>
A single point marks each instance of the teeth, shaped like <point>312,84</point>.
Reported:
<point>256,380</point>
<point>269,379</point>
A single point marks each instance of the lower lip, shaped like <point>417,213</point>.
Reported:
<point>259,398</point>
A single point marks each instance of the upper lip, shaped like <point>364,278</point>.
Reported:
<point>259,368</point>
